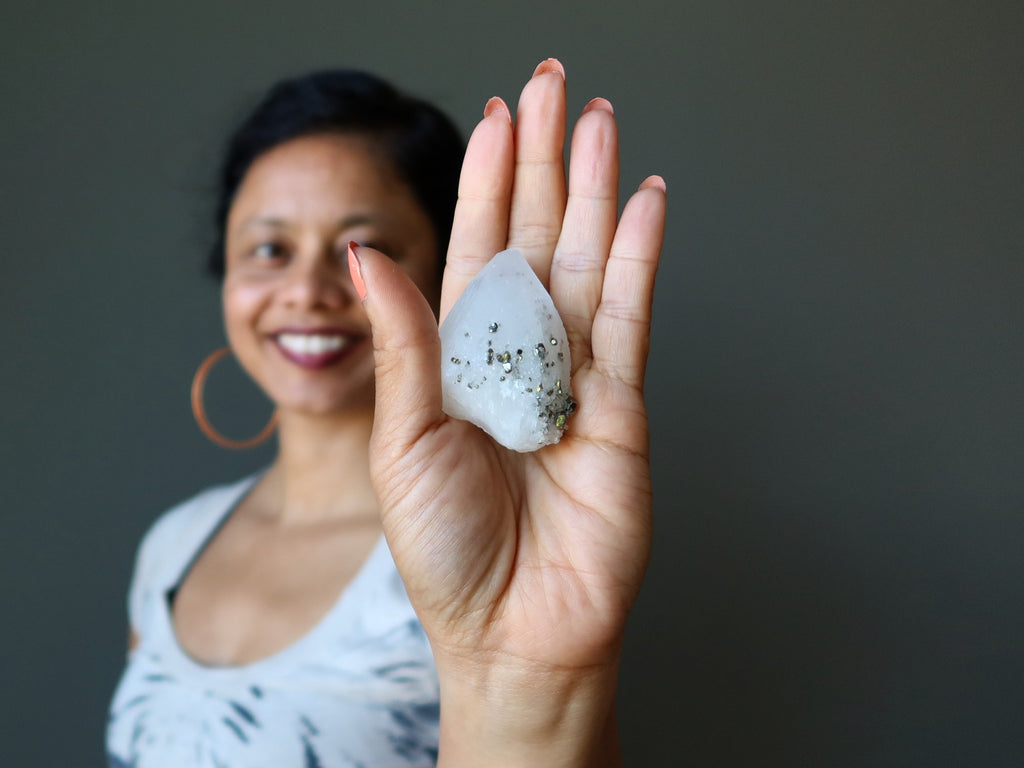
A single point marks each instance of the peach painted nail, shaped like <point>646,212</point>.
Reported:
<point>550,65</point>
<point>496,104</point>
<point>355,270</point>
<point>654,181</point>
<point>599,103</point>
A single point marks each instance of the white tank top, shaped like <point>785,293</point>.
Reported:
<point>359,689</point>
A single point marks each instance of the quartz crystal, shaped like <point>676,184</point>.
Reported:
<point>505,357</point>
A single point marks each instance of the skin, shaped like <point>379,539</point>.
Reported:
<point>286,553</point>
<point>523,567</point>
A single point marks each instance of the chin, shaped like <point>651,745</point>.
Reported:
<point>326,393</point>
<point>328,406</point>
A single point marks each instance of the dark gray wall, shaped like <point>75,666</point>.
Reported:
<point>836,376</point>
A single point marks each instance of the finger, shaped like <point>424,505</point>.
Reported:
<point>480,226</point>
<point>622,325</point>
<point>577,272</point>
<point>538,189</point>
<point>406,350</point>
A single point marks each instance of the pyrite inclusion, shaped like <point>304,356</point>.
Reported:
<point>505,357</point>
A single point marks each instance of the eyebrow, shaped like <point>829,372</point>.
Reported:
<point>275,222</point>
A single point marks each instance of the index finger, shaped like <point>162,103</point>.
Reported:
<point>480,226</point>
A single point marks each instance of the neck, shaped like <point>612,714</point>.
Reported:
<point>322,469</point>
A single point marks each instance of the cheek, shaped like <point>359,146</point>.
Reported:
<point>242,302</point>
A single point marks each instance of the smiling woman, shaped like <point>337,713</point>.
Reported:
<point>273,624</point>
<point>290,308</point>
<point>270,622</point>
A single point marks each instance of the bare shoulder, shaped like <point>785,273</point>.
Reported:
<point>191,517</point>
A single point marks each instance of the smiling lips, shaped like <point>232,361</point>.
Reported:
<point>315,350</point>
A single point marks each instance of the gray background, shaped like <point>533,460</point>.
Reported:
<point>836,374</point>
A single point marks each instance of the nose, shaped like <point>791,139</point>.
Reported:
<point>317,278</point>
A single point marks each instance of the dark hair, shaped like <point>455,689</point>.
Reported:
<point>420,141</point>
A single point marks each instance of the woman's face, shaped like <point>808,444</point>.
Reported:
<point>292,315</point>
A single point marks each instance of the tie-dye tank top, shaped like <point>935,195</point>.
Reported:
<point>360,689</point>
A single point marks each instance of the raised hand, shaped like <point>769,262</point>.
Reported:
<point>523,567</point>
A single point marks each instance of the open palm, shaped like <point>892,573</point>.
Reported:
<point>529,559</point>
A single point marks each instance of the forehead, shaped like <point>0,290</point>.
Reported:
<point>318,174</point>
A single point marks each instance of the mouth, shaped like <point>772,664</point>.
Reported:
<point>314,350</point>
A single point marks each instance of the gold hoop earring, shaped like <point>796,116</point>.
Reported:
<point>199,412</point>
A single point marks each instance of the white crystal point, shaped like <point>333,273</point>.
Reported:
<point>505,357</point>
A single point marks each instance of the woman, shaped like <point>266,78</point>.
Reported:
<point>520,568</point>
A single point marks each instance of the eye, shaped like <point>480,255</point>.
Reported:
<point>269,250</point>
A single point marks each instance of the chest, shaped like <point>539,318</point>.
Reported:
<point>256,588</point>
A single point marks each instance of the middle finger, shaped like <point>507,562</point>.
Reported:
<point>538,187</point>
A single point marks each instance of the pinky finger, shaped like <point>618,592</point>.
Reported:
<point>622,324</point>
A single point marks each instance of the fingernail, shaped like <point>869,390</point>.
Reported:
<point>495,104</point>
<point>550,65</point>
<point>599,103</point>
<point>654,181</point>
<point>355,271</point>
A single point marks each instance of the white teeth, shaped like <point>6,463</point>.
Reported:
<point>311,343</point>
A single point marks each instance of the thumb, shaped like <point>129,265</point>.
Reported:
<point>406,350</point>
